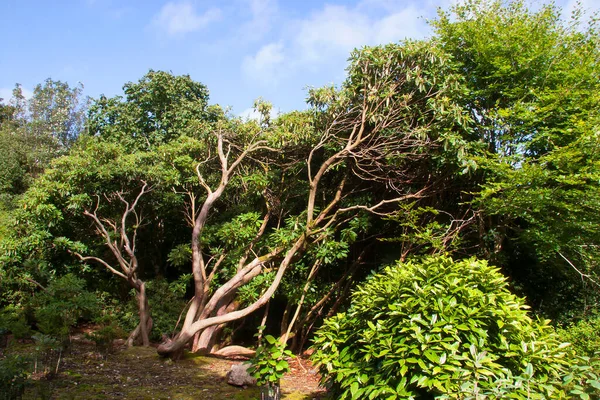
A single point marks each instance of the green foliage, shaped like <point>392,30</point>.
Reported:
<point>270,364</point>
<point>584,336</point>
<point>529,74</point>
<point>442,328</point>
<point>12,320</point>
<point>552,205</point>
<point>583,381</point>
<point>531,86</point>
<point>250,292</point>
<point>424,230</point>
<point>36,131</point>
<point>103,338</point>
<point>47,355</point>
<point>180,255</point>
<point>13,376</point>
<point>158,108</point>
<point>498,111</point>
<point>58,111</point>
<point>241,230</point>
<point>64,302</point>
<point>166,300</point>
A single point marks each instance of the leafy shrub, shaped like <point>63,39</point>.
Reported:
<point>104,337</point>
<point>584,336</point>
<point>62,304</point>
<point>13,321</point>
<point>48,352</point>
<point>439,328</point>
<point>269,365</point>
<point>583,381</point>
<point>13,377</point>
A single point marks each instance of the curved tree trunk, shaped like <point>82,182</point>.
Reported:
<point>142,331</point>
<point>124,251</point>
<point>208,338</point>
<point>135,336</point>
<point>173,347</point>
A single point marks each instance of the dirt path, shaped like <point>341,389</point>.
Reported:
<point>139,373</point>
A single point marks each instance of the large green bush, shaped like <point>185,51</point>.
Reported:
<point>439,328</point>
<point>62,304</point>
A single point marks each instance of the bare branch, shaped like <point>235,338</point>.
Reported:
<point>373,209</point>
<point>586,276</point>
<point>125,266</point>
<point>101,261</point>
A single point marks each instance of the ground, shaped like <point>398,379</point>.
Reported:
<point>139,373</point>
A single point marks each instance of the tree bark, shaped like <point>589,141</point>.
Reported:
<point>208,337</point>
<point>242,277</point>
<point>142,331</point>
<point>144,314</point>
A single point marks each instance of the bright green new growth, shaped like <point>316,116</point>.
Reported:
<point>270,364</point>
<point>441,328</point>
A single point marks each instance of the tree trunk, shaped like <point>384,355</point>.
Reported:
<point>134,336</point>
<point>208,338</point>
<point>285,319</point>
<point>144,314</point>
<point>172,348</point>
<point>144,327</point>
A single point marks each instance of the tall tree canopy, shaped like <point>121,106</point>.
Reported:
<point>158,108</point>
<point>531,84</point>
<point>479,141</point>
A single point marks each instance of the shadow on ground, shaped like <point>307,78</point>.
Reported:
<point>139,373</point>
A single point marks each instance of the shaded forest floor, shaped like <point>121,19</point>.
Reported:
<point>139,373</point>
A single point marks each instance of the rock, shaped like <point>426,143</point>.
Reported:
<point>238,375</point>
<point>234,351</point>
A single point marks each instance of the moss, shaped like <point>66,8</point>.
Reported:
<point>139,373</point>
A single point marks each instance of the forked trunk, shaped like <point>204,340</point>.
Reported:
<point>173,347</point>
<point>208,338</point>
<point>142,331</point>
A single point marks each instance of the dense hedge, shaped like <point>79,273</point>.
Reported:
<point>439,328</point>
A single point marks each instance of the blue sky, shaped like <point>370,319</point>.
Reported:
<point>240,49</point>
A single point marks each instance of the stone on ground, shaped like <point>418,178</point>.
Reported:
<point>238,375</point>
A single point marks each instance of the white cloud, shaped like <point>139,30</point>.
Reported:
<point>262,12</point>
<point>341,29</point>
<point>334,29</point>
<point>407,23</point>
<point>176,18</point>
<point>326,37</point>
<point>265,66</point>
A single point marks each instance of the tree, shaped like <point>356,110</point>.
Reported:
<point>531,86</point>
<point>120,186</point>
<point>36,131</point>
<point>6,112</point>
<point>384,130</point>
<point>110,187</point>
<point>57,111</point>
<point>157,109</point>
